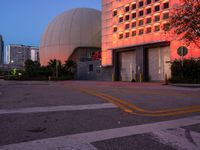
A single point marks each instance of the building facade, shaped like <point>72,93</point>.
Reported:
<point>18,54</point>
<point>1,50</point>
<point>135,42</point>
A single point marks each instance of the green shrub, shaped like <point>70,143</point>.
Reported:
<point>189,72</point>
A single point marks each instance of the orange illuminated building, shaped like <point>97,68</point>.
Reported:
<point>134,41</point>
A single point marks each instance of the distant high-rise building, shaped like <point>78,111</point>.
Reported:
<point>1,50</point>
<point>18,54</point>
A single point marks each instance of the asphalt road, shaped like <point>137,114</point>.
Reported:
<point>78,115</point>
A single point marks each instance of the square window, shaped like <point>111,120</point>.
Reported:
<point>166,26</point>
<point>166,16</point>
<point>141,13</point>
<point>127,17</point>
<point>141,31</point>
<point>120,19</point>
<point>148,2</point>
<point>148,11</point>
<point>157,28</point>
<point>133,33</point>
<point>133,6</point>
<point>148,30</point>
<point>148,20</point>
<point>157,8</point>
<point>127,9</point>
<point>141,23</point>
<point>165,5</point>
<point>115,13</point>
<point>115,29</point>
<point>157,18</point>
<point>91,68</point>
<point>121,36</point>
<point>141,3</point>
<point>127,34</point>
<point>133,15</point>
<point>133,24</point>
<point>127,26</point>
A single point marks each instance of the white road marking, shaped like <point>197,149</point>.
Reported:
<point>82,138</point>
<point>56,108</point>
<point>179,139</point>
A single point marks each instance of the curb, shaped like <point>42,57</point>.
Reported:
<point>186,85</point>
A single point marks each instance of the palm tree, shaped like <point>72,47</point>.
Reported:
<point>55,66</point>
<point>70,65</point>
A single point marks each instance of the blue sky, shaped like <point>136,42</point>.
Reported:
<point>24,21</point>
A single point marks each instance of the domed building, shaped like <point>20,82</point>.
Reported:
<point>74,34</point>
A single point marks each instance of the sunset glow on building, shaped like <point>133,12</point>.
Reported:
<point>134,39</point>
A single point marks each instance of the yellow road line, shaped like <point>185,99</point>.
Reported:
<point>130,108</point>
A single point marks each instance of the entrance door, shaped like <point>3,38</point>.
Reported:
<point>127,63</point>
<point>158,66</point>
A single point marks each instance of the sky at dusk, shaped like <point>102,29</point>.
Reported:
<point>24,21</point>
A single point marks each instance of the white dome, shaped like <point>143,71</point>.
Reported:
<point>79,27</point>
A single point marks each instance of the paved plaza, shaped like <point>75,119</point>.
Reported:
<point>87,115</point>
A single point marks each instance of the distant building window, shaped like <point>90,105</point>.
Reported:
<point>127,26</point>
<point>120,19</point>
<point>157,8</point>
<point>157,28</point>
<point>148,2</point>
<point>148,30</point>
<point>141,31</point>
<point>133,6</point>
<point>133,15</point>
<point>91,68</point>
<point>148,20</point>
<point>141,13</point>
<point>157,18</point>
<point>166,16</point>
<point>141,3</point>
<point>115,29</point>
<point>127,34</point>
<point>148,11</point>
<point>127,17</point>
<point>165,5</point>
<point>141,23</point>
<point>133,33</point>
<point>127,9</point>
<point>166,26</point>
<point>133,24</point>
<point>121,36</point>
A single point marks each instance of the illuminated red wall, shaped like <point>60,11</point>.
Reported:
<point>110,40</point>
